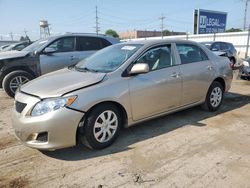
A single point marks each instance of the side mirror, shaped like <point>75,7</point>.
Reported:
<point>49,50</point>
<point>139,68</point>
<point>36,53</point>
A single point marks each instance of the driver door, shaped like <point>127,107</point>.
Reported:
<point>64,55</point>
<point>159,90</point>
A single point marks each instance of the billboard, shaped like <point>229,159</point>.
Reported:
<point>208,21</point>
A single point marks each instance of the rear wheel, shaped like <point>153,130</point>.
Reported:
<point>214,97</point>
<point>101,127</point>
<point>15,79</point>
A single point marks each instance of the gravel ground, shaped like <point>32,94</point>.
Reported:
<point>191,148</point>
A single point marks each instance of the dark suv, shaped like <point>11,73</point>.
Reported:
<point>47,55</point>
<point>226,47</point>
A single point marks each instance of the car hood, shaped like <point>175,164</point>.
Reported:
<point>12,54</point>
<point>60,82</point>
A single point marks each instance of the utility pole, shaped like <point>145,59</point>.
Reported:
<point>11,36</point>
<point>25,32</point>
<point>245,15</point>
<point>162,24</point>
<point>248,38</point>
<point>97,28</point>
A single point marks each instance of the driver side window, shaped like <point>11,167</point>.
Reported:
<point>63,45</point>
<point>158,58</point>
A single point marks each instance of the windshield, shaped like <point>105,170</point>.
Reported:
<point>35,46</point>
<point>109,58</point>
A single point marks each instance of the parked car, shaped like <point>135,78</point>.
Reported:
<point>4,46</point>
<point>245,69</point>
<point>47,55</point>
<point>118,86</point>
<point>224,49</point>
<point>16,46</point>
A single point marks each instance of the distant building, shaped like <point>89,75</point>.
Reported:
<point>142,34</point>
<point>139,34</point>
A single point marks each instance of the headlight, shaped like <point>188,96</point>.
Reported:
<point>49,105</point>
<point>245,63</point>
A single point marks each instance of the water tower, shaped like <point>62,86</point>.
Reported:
<point>44,29</point>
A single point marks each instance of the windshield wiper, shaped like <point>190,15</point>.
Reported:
<point>85,69</point>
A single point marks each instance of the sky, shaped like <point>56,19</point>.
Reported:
<point>79,15</point>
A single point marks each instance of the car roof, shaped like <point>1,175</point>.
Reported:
<point>110,38</point>
<point>211,42</point>
<point>159,41</point>
<point>81,34</point>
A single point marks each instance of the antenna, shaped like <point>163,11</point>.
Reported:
<point>162,24</point>
<point>97,27</point>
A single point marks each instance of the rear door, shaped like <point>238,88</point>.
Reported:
<point>197,72</point>
<point>65,55</point>
<point>159,90</point>
<point>86,46</point>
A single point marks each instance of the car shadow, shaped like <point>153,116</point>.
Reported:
<point>150,129</point>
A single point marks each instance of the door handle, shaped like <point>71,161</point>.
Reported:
<point>175,75</point>
<point>72,57</point>
<point>209,67</point>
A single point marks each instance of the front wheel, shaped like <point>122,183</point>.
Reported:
<point>15,79</point>
<point>214,97</point>
<point>102,126</point>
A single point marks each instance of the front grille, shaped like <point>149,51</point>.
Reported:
<point>20,106</point>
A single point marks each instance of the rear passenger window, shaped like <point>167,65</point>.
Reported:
<point>191,53</point>
<point>105,43</point>
<point>91,43</point>
<point>224,46</point>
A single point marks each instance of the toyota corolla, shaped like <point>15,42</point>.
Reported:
<point>117,87</point>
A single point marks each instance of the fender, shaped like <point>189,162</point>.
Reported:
<point>28,63</point>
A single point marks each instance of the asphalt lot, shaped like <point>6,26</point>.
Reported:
<point>191,148</point>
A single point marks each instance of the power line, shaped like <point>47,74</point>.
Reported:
<point>97,28</point>
<point>162,24</point>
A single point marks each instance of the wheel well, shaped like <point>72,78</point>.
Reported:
<point>119,107</point>
<point>233,58</point>
<point>221,81</point>
<point>7,71</point>
<point>11,69</point>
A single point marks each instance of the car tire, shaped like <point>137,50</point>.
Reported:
<point>214,97</point>
<point>14,79</point>
<point>101,126</point>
